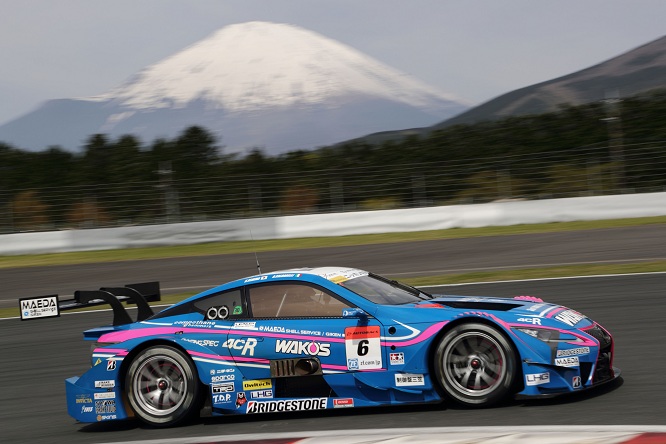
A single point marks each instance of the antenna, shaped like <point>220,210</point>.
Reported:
<point>256,258</point>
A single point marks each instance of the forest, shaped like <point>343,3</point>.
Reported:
<point>597,148</point>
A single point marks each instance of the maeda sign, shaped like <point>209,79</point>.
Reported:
<point>39,307</point>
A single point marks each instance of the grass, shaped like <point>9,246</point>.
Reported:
<point>19,261</point>
<point>290,244</point>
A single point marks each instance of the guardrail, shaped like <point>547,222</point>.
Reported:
<point>340,224</point>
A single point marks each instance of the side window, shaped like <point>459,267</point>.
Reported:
<point>293,300</point>
<point>220,306</point>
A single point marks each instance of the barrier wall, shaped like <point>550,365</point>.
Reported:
<point>340,224</point>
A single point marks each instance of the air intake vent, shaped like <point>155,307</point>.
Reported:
<point>284,368</point>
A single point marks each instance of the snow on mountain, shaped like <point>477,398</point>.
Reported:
<point>241,75</point>
<point>257,65</point>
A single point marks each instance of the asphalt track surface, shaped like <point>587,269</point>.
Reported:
<point>38,355</point>
<point>399,260</point>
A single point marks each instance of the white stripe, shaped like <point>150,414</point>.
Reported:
<point>563,434</point>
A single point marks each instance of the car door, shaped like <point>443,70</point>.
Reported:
<point>302,341</point>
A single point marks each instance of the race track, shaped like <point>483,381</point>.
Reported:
<point>38,355</point>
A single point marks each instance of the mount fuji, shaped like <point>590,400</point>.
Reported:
<point>263,85</point>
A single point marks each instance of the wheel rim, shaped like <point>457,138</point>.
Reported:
<point>474,363</point>
<point>160,385</point>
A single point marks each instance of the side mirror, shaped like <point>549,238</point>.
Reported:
<point>354,313</point>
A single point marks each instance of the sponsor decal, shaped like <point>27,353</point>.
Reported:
<point>257,384</point>
<point>570,361</point>
<point>272,329</point>
<point>573,351</point>
<point>107,406</point>
<point>110,365</point>
<point>221,378</point>
<point>277,276</point>
<point>408,379</point>
<point>83,399</point>
<point>238,310</point>
<point>199,324</point>
<point>363,348</point>
<point>39,307</point>
<point>536,307</point>
<point>224,398</point>
<point>533,321</point>
<point>240,399</point>
<point>343,402</point>
<point>537,378</point>
<point>261,394</point>
<point>225,387</point>
<point>396,358</point>
<point>569,317</point>
<point>105,384</point>
<point>99,361</point>
<point>105,417</point>
<point>86,409</point>
<point>245,325</point>
<point>255,279</point>
<point>105,395</point>
<point>245,345</point>
<point>576,382</point>
<point>291,405</point>
<point>203,342</point>
<point>302,348</point>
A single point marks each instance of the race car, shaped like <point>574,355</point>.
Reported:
<point>325,338</point>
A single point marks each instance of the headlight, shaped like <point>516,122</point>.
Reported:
<point>549,335</point>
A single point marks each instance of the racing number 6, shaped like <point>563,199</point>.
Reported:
<point>363,347</point>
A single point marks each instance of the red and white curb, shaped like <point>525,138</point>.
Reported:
<point>562,434</point>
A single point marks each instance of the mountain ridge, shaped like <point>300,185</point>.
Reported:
<point>236,78</point>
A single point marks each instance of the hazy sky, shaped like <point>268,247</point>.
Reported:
<point>474,49</point>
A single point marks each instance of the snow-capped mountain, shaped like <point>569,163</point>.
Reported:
<point>274,86</point>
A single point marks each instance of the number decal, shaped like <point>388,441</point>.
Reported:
<point>363,348</point>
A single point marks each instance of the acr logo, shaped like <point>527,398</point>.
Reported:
<point>302,348</point>
<point>533,321</point>
<point>246,346</point>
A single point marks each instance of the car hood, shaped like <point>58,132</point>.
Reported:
<point>524,309</point>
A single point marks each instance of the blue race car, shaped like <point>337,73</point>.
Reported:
<point>324,338</point>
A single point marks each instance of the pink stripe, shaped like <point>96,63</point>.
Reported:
<point>427,333</point>
<point>554,312</point>
<point>126,335</point>
<point>228,358</point>
<point>116,351</point>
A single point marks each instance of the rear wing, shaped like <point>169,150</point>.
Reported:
<point>139,294</point>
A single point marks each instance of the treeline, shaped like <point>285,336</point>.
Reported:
<point>619,145</point>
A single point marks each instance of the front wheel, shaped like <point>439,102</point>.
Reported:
<point>162,386</point>
<point>475,365</point>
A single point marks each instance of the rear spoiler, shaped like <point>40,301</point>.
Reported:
<point>139,294</point>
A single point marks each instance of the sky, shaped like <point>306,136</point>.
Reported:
<point>473,49</point>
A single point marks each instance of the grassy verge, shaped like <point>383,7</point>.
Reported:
<point>304,243</point>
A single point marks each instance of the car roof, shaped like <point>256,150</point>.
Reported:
<point>331,273</point>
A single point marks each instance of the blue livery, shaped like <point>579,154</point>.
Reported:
<point>333,337</point>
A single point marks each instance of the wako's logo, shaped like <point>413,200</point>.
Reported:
<point>303,348</point>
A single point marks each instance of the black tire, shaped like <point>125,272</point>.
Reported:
<point>475,365</point>
<point>162,386</point>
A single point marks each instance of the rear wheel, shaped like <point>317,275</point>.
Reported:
<point>162,386</point>
<point>475,365</point>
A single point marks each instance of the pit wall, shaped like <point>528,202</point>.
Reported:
<point>340,224</point>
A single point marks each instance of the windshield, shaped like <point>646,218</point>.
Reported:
<point>384,291</point>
